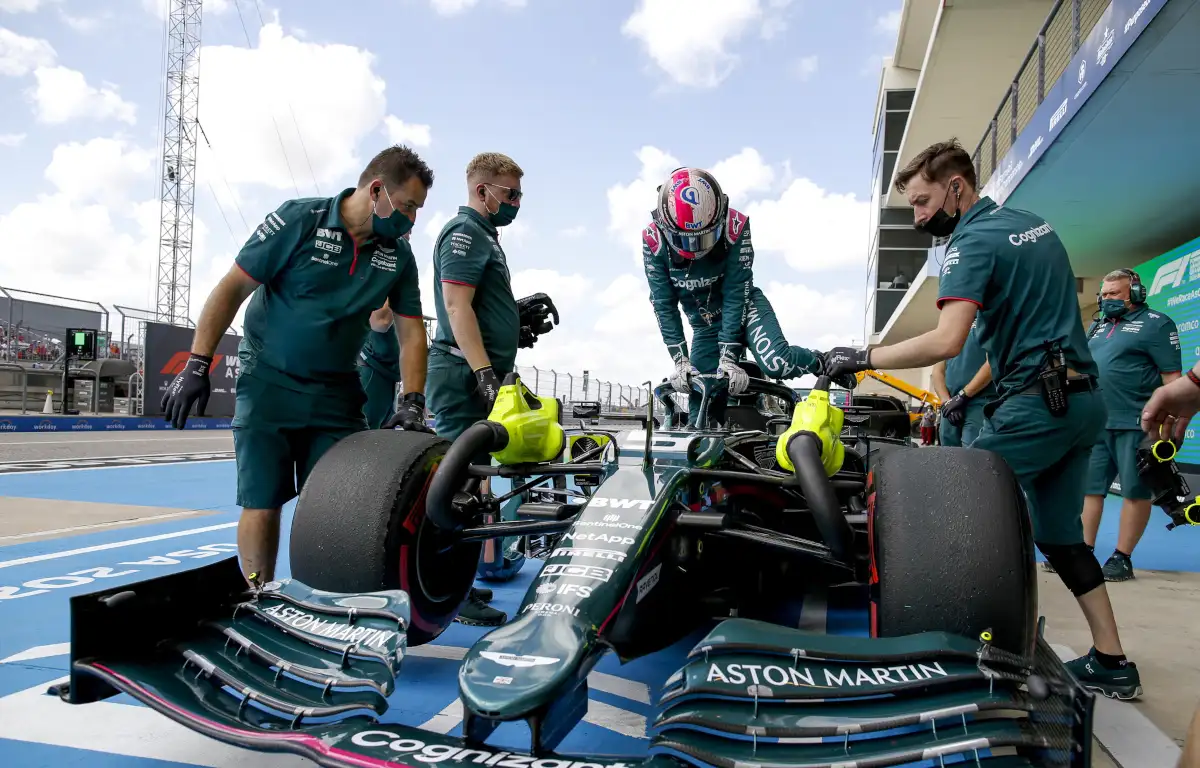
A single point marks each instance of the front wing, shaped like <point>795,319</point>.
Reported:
<point>292,669</point>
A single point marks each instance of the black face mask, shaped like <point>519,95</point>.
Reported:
<point>942,224</point>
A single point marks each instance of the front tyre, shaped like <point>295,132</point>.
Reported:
<point>360,526</point>
<point>951,547</point>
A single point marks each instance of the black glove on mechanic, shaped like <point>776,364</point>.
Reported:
<point>527,339</point>
<point>410,414</point>
<point>487,383</point>
<point>189,388</point>
<point>841,362</point>
<point>535,312</point>
<point>954,410</point>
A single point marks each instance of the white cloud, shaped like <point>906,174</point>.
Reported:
<point>455,7</point>
<point>81,24</point>
<point>629,205</point>
<point>11,139</point>
<point>813,229</point>
<point>742,174</point>
<point>158,8</point>
<point>63,94</point>
<point>20,55</point>
<point>889,23</point>
<point>113,170</point>
<point>245,110</point>
<point>434,223</point>
<point>22,6</point>
<point>690,40</point>
<point>409,134</point>
<point>575,232</point>
<point>804,68</point>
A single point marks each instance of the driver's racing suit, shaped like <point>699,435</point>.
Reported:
<point>721,303</point>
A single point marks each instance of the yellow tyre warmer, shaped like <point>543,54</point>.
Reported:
<point>816,415</point>
<point>533,424</point>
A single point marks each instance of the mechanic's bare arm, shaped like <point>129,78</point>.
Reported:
<point>939,381</point>
<point>982,378</point>
<point>414,353</point>
<point>381,319</point>
<point>220,309</point>
<point>464,323</point>
<point>1167,378</point>
<point>942,343</point>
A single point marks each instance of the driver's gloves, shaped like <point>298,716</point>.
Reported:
<point>680,378</point>
<point>739,380</point>
<point>410,414</point>
<point>954,410</point>
<point>840,361</point>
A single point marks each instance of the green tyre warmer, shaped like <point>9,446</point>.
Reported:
<point>450,393</point>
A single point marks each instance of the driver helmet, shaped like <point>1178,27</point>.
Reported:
<point>691,212</point>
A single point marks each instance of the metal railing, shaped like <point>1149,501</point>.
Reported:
<point>1057,42</point>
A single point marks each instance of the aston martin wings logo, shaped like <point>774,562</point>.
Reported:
<point>511,660</point>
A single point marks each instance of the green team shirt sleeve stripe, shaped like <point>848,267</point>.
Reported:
<point>739,271</point>
<point>270,248</point>
<point>463,255</point>
<point>405,296</point>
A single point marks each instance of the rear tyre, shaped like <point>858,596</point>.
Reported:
<point>951,547</point>
<point>360,526</point>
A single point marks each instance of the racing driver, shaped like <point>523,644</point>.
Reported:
<point>697,252</point>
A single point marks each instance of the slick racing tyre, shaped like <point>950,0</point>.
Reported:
<point>951,547</point>
<point>360,526</point>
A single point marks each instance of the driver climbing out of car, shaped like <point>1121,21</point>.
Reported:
<point>315,270</point>
<point>480,326</point>
<point>697,253</point>
<point>1008,268</point>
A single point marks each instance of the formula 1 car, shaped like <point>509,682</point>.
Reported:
<point>661,532</point>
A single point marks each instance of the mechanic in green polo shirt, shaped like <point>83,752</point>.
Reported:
<point>1137,350</point>
<point>379,368</point>
<point>314,270</point>
<point>480,325</point>
<point>1007,270</point>
<point>964,382</point>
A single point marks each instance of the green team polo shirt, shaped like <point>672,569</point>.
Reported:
<point>382,352</point>
<point>468,253</point>
<point>309,317</point>
<point>963,367</point>
<point>1011,264</point>
<point>1133,352</point>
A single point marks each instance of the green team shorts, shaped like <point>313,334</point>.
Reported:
<point>279,434</point>
<point>1113,456</point>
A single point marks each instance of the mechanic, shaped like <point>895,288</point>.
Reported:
<point>1137,350</point>
<point>480,325</point>
<point>379,366</point>
<point>316,270</point>
<point>962,411</point>
<point>697,253</point>
<point>1010,267</point>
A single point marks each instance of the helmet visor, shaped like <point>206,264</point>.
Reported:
<point>694,242</point>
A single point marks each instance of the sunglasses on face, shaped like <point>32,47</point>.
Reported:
<point>514,195</point>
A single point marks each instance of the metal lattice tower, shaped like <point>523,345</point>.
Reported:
<point>180,126</point>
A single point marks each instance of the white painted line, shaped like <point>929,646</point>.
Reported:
<point>121,729</point>
<point>814,614</point>
<point>130,465</point>
<point>113,545</point>
<point>102,525</point>
<point>613,718</point>
<point>39,652</point>
<point>1127,735</point>
<point>617,686</point>
<point>446,720</point>
<point>116,439</point>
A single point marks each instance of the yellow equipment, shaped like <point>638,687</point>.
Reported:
<point>924,395</point>
<point>533,424</point>
<point>817,416</point>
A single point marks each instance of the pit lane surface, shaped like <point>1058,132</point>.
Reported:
<point>39,573</point>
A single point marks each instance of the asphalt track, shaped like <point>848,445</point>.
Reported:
<point>195,475</point>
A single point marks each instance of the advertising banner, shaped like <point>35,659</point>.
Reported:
<point>167,350</point>
<point>1120,25</point>
<point>1173,288</point>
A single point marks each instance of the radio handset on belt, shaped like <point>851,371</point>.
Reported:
<point>1053,379</point>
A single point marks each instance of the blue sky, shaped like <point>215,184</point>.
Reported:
<point>596,100</point>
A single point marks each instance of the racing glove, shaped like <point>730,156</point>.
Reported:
<point>680,378</point>
<point>954,410</point>
<point>190,387</point>
<point>488,385</point>
<point>739,380</point>
<point>842,361</point>
<point>535,312</point>
<point>410,414</point>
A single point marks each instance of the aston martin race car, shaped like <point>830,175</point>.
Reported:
<point>714,524</point>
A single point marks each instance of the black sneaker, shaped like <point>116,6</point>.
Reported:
<point>484,594</point>
<point>1118,568</point>
<point>1124,683</point>
<point>475,612</point>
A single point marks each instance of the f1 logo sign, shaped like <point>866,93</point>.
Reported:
<point>178,362</point>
